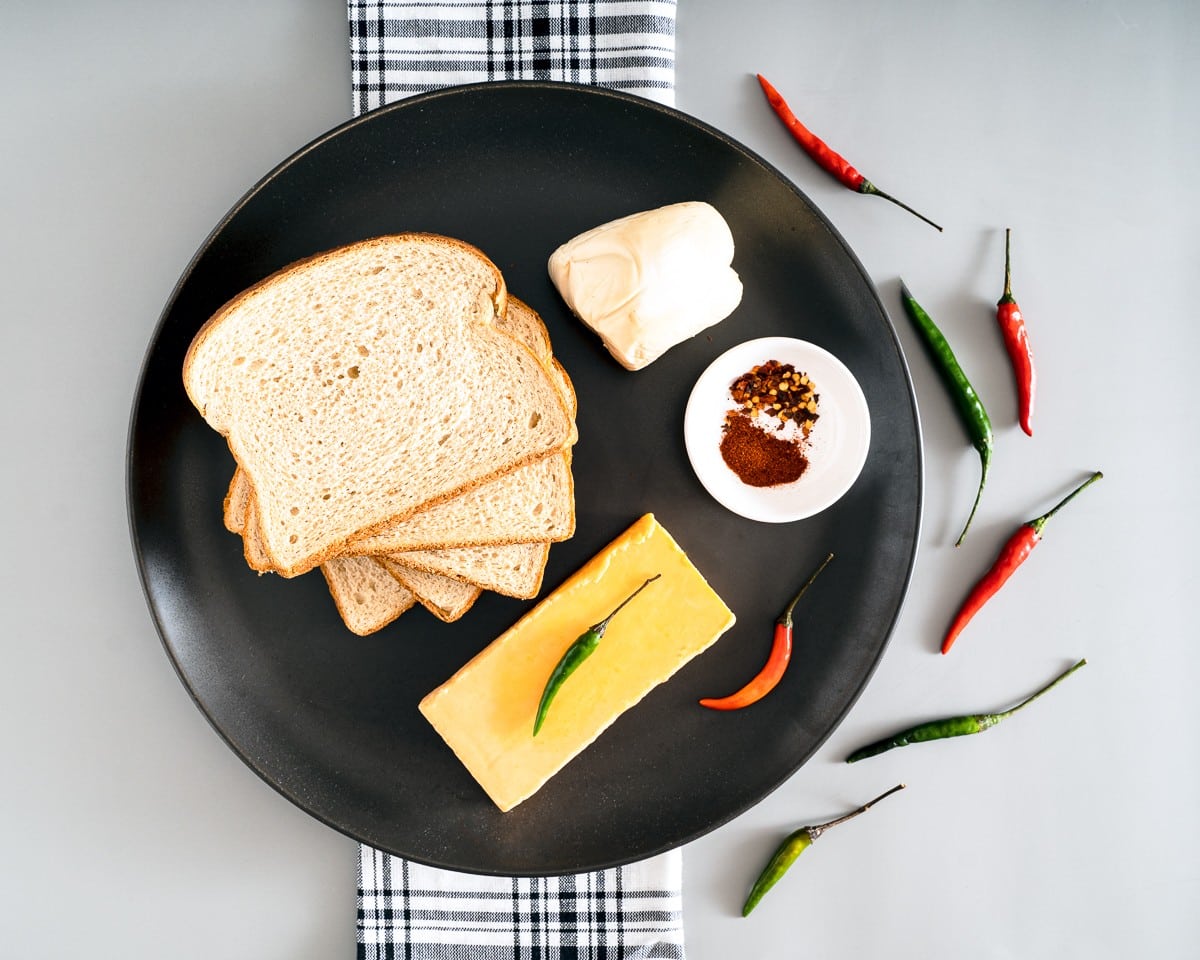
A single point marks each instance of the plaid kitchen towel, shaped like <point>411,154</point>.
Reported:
<point>410,911</point>
<point>402,47</point>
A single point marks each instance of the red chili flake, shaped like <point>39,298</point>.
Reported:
<point>777,390</point>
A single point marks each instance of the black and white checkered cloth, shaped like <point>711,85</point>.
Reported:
<point>414,912</point>
<point>406,910</point>
<point>402,47</point>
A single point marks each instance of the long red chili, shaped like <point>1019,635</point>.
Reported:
<point>1016,341</point>
<point>827,159</point>
<point>777,662</point>
<point>1012,555</point>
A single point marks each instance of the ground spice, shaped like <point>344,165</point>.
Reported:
<point>757,457</point>
<point>776,393</point>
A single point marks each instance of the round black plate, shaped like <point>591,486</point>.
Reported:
<point>330,719</point>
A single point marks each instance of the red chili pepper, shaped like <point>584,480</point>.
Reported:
<point>827,159</point>
<point>1012,555</point>
<point>781,654</point>
<point>1016,341</point>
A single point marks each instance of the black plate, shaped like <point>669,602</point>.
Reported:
<point>329,719</point>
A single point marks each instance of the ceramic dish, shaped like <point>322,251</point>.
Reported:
<point>835,449</point>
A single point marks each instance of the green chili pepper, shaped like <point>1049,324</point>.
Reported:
<point>953,726</point>
<point>795,844</point>
<point>576,653</point>
<point>970,407</point>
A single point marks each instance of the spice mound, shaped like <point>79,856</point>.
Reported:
<point>764,437</point>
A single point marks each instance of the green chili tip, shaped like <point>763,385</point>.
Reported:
<point>985,456</point>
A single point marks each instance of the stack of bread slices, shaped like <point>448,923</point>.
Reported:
<point>398,421</point>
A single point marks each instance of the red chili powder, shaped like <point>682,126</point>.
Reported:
<point>757,457</point>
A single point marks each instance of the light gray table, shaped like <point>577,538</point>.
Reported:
<point>129,829</point>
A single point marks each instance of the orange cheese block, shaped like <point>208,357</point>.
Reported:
<point>485,712</point>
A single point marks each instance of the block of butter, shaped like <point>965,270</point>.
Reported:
<point>650,280</point>
<point>485,712</point>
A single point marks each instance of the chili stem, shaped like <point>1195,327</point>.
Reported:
<point>786,617</point>
<point>603,624</point>
<point>1041,521</point>
<point>985,456</point>
<point>1007,296</point>
<point>869,187</point>
<point>816,831</point>
<point>1033,696</point>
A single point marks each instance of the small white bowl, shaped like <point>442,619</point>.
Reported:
<point>836,448</point>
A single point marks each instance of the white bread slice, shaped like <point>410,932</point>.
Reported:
<point>514,570</point>
<point>520,320</point>
<point>530,503</point>
<point>367,596</point>
<point>534,504</point>
<point>340,373</point>
<point>446,599</point>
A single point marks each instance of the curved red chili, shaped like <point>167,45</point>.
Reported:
<point>777,662</point>
<point>1012,555</point>
<point>828,159</point>
<point>1016,342</point>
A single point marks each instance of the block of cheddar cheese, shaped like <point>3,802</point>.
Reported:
<point>485,712</point>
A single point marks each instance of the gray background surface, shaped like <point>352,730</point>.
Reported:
<point>130,830</point>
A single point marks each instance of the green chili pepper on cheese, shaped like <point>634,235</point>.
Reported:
<point>575,654</point>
